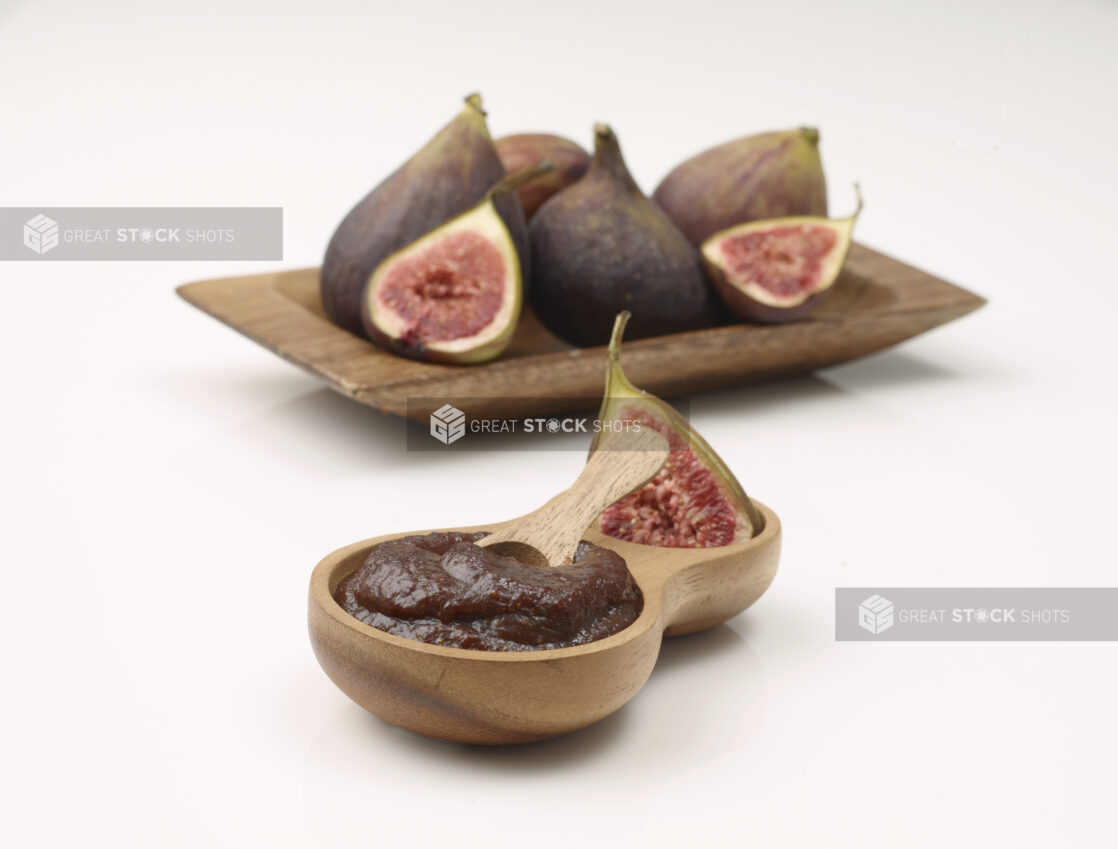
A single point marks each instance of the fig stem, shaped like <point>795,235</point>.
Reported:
<point>473,101</point>
<point>618,331</point>
<point>607,156</point>
<point>858,195</point>
<point>512,182</point>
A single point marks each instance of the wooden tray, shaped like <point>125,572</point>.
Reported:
<point>877,302</point>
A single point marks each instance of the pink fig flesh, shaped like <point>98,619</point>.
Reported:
<point>452,289</point>
<point>787,261</point>
<point>684,506</point>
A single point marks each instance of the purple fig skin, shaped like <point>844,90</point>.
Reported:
<point>521,150</point>
<point>602,246</point>
<point>448,176</point>
<point>771,175</point>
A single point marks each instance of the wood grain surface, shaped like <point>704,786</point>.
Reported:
<point>878,301</point>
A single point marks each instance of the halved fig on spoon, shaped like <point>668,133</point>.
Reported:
<point>694,501</point>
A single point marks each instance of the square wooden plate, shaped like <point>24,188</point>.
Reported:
<point>878,301</point>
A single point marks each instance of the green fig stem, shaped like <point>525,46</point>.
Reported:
<point>616,382</point>
<point>811,134</point>
<point>473,101</point>
<point>618,331</point>
<point>606,148</point>
<point>607,155</point>
<point>513,181</point>
<point>858,195</point>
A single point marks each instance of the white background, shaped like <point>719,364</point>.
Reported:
<point>167,486</point>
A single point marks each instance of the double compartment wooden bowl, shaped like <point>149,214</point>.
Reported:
<point>494,697</point>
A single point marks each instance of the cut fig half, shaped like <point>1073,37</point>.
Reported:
<point>454,294</point>
<point>694,501</point>
<point>778,270</point>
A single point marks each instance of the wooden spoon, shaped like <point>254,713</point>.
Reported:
<point>495,697</point>
<point>550,535</point>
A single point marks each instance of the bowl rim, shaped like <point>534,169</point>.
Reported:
<point>651,609</point>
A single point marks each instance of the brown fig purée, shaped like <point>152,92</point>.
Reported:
<point>442,588</point>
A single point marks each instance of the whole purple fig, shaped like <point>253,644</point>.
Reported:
<point>771,175</point>
<point>601,247</point>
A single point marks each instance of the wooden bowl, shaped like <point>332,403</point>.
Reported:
<point>494,697</point>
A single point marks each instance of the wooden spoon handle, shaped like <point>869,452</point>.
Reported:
<point>619,465</point>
